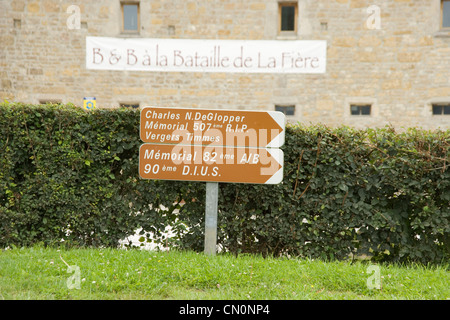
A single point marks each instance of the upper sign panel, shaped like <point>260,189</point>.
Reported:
<point>212,126</point>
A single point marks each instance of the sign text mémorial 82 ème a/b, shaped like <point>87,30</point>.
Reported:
<point>211,145</point>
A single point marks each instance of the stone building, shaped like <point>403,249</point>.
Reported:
<point>387,62</point>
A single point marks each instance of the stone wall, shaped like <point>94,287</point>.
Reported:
<point>400,67</point>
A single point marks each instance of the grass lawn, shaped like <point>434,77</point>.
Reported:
<point>42,273</point>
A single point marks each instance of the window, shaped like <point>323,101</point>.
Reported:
<point>50,101</point>
<point>287,110</point>
<point>287,12</point>
<point>441,109</point>
<point>360,110</point>
<point>17,23</point>
<point>445,13</point>
<point>130,17</point>
<point>129,105</point>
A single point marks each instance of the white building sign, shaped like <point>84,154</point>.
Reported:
<point>192,55</point>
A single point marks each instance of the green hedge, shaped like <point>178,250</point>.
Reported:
<point>70,174</point>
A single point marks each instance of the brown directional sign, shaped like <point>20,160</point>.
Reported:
<point>211,163</point>
<point>205,126</point>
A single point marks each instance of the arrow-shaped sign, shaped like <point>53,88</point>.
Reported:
<point>211,163</point>
<point>205,126</point>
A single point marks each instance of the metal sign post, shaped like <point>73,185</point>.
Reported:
<point>212,198</point>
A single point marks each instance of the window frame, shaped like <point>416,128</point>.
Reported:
<point>122,17</point>
<point>50,101</point>
<point>132,105</point>
<point>282,4</point>
<point>360,106</point>
<point>17,23</point>
<point>285,106</point>
<point>442,16</point>
<point>440,104</point>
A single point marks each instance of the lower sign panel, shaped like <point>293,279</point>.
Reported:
<point>211,163</point>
